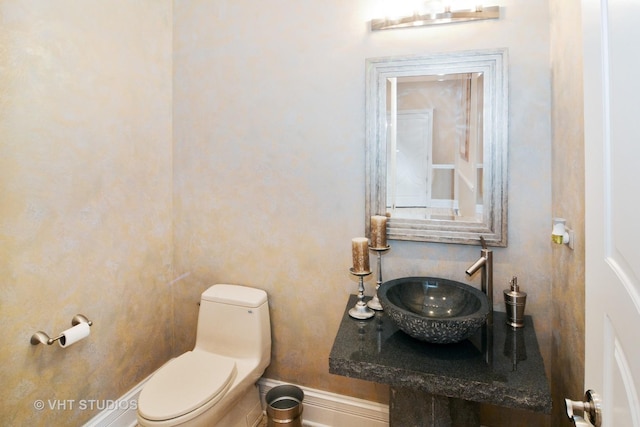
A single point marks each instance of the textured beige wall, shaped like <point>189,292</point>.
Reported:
<point>269,161</point>
<point>268,184</point>
<point>568,202</point>
<point>85,201</point>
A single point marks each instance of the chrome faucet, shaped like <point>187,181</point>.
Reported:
<point>486,263</point>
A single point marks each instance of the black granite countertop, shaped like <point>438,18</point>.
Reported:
<point>511,374</point>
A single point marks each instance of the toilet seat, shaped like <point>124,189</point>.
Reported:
<point>184,384</point>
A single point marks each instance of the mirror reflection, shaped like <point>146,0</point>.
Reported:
<point>436,146</point>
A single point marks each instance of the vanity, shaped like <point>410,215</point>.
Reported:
<point>436,168</point>
<point>443,384</point>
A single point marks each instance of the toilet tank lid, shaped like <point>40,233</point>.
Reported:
<point>236,295</point>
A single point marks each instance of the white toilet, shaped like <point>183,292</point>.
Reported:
<point>215,383</point>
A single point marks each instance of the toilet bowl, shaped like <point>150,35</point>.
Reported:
<point>215,383</point>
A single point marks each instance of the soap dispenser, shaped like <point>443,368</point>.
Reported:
<point>514,302</point>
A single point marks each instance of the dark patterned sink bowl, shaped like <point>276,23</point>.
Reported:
<point>432,309</point>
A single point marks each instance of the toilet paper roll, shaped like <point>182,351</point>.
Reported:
<point>75,334</point>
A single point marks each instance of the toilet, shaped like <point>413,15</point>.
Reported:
<point>215,383</point>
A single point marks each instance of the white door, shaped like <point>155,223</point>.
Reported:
<point>414,139</point>
<point>611,36</point>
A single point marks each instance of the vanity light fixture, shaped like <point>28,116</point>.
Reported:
<point>446,17</point>
<point>561,234</point>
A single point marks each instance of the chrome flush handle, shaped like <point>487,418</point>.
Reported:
<point>591,409</point>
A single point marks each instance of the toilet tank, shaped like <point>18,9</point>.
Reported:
<point>234,321</point>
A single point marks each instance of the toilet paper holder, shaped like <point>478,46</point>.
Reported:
<point>42,338</point>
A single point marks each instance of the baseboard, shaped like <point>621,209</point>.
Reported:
<point>320,409</point>
<point>324,409</point>
<point>123,412</point>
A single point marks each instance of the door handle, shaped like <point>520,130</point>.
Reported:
<point>591,408</point>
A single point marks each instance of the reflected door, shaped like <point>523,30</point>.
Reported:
<point>413,160</point>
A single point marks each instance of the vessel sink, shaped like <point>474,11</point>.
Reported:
<point>432,309</point>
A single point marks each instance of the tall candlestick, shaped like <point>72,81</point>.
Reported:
<point>360,252</point>
<point>378,231</point>
<point>374,302</point>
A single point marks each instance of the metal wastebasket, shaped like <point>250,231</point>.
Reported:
<point>284,406</point>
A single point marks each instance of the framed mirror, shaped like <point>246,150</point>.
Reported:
<point>437,146</point>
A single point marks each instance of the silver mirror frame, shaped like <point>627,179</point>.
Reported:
<point>493,63</point>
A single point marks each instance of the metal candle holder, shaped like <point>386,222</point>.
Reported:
<point>360,310</point>
<point>374,303</point>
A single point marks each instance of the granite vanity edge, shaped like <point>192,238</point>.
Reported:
<point>494,394</point>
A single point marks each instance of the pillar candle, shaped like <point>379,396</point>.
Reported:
<point>379,231</point>
<point>360,252</point>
